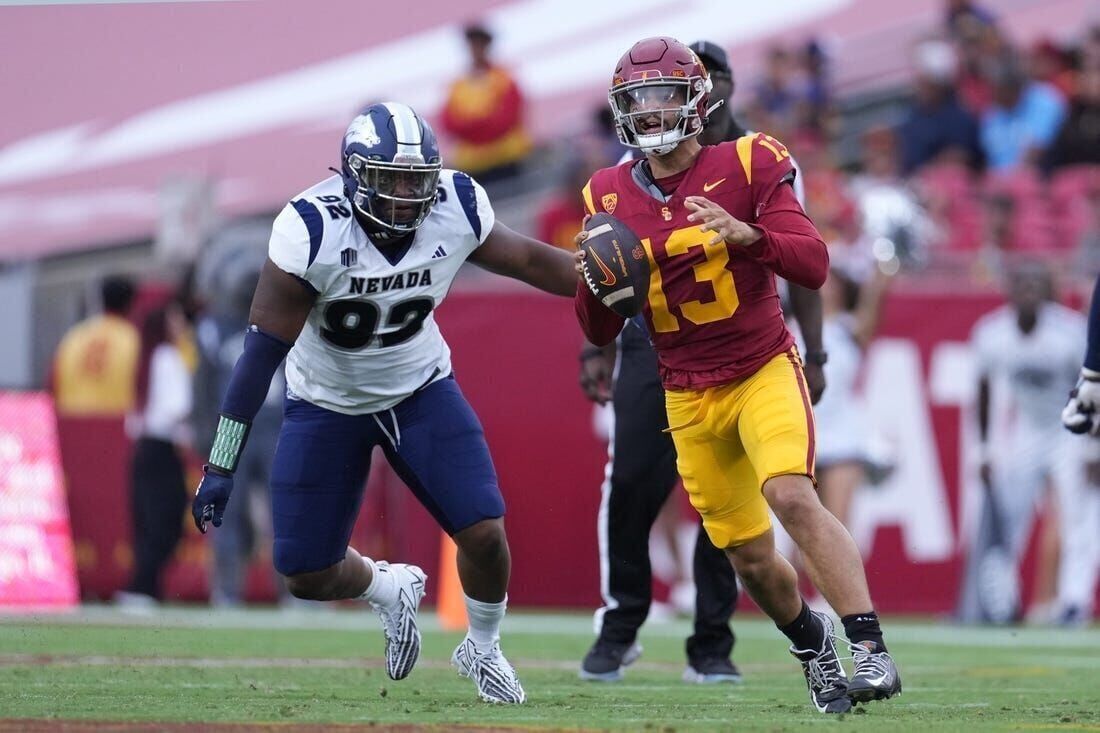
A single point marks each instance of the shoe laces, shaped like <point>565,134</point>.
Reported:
<point>867,661</point>
<point>389,620</point>
<point>823,677</point>
<point>824,669</point>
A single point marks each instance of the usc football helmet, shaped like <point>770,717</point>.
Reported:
<point>390,164</point>
<point>659,95</point>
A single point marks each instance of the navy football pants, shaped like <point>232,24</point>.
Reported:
<point>433,440</point>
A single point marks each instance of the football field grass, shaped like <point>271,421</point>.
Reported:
<point>190,669</point>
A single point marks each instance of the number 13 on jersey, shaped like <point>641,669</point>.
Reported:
<point>713,270</point>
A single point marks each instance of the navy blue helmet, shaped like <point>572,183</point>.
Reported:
<point>390,165</point>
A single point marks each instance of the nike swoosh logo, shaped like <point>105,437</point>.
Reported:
<point>608,276</point>
<point>708,187</point>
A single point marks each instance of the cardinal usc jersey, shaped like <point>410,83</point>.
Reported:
<point>371,339</point>
<point>713,310</point>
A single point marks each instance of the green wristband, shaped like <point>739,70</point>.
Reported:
<point>228,443</point>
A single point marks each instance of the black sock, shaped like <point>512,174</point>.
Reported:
<point>806,632</point>
<point>863,627</point>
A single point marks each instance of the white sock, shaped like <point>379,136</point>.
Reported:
<point>383,588</point>
<point>485,621</point>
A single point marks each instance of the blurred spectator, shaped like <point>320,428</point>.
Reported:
<point>159,492</point>
<point>1078,141</point>
<point>775,96</point>
<point>981,48</point>
<point>484,112</point>
<point>937,128</point>
<point>227,279</point>
<point>890,216</point>
<point>815,70</point>
<point>1089,248</point>
<point>791,100</point>
<point>963,17</point>
<point>998,237</point>
<point>1022,121</point>
<point>1049,63</point>
<point>610,148</point>
<point>813,107</point>
<point>1089,53</point>
<point>561,217</point>
<point>96,363</point>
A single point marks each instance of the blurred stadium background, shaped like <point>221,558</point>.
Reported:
<point>158,140</point>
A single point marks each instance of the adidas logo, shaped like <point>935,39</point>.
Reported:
<point>439,252</point>
<point>349,257</point>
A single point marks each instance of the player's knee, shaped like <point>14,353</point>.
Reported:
<point>753,559</point>
<point>315,586</point>
<point>484,542</point>
<point>791,496</point>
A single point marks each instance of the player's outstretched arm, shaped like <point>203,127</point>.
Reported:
<point>509,253</point>
<point>280,308</point>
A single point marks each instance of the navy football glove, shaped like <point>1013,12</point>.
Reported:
<point>211,497</point>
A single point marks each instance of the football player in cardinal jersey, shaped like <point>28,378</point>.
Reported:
<point>719,223</point>
<point>356,267</point>
<point>639,481</point>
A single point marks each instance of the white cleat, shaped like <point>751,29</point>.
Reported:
<point>495,678</point>
<point>399,618</point>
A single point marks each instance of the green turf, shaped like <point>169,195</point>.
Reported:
<point>325,667</point>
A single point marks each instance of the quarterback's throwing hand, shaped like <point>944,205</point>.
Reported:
<point>211,497</point>
<point>716,219</point>
<point>1082,412</point>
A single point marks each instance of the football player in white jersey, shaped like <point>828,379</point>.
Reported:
<point>356,268</point>
<point>1029,351</point>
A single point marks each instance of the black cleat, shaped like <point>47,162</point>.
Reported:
<point>605,661</point>
<point>876,676</point>
<point>710,670</point>
<point>825,677</point>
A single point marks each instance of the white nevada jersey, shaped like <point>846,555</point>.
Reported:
<point>1039,368</point>
<point>371,339</point>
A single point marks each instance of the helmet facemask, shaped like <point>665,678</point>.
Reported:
<point>396,196</point>
<point>635,104</point>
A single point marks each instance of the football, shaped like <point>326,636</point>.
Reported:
<point>616,266</point>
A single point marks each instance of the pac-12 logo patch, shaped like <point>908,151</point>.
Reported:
<point>610,201</point>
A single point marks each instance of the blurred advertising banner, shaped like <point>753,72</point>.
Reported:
<point>36,548</point>
<point>515,357</point>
